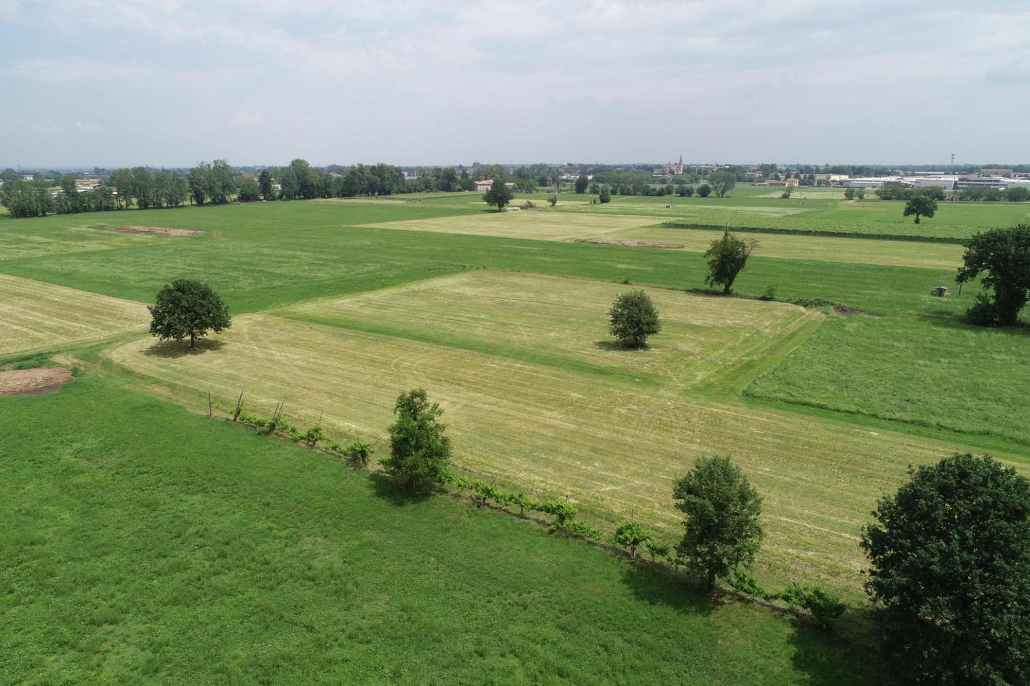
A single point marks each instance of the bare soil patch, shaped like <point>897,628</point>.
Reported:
<point>846,311</point>
<point>631,244</point>
<point>155,230</point>
<point>33,381</point>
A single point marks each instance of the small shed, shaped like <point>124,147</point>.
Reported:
<point>939,291</point>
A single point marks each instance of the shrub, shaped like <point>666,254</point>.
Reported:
<point>528,205</point>
<point>313,436</point>
<point>950,567</point>
<point>704,190</point>
<point>359,453</point>
<point>722,509</point>
<point>632,535</point>
<point>633,317</point>
<point>769,293</point>
<point>605,194</point>
<point>821,604</point>
<point>658,550</point>
<point>419,450</point>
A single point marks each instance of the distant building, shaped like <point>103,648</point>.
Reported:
<point>484,185</point>
<point>974,181</point>
<point>997,172</point>
<point>830,178</point>
<point>27,177</point>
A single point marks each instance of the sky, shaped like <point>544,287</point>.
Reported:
<point>172,82</point>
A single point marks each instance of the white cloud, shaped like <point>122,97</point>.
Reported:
<point>383,77</point>
<point>243,117</point>
<point>86,126</point>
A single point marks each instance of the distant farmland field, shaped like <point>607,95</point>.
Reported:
<point>535,394</point>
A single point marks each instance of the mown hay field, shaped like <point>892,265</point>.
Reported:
<point>822,248</point>
<point>614,443</point>
<point>36,315</point>
<point>544,224</point>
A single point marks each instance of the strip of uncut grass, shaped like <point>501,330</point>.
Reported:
<point>615,445</point>
<point>35,315</point>
<point>926,372</point>
<point>143,544</point>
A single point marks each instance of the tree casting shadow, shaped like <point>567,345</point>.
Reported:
<point>659,587</point>
<point>175,349</point>
<point>386,488</point>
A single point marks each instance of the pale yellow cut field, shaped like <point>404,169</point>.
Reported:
<point>852,250</point>
<point>562,420</point>
<point>558,225</point>
<point>553,225</point>
<point>36,315</point>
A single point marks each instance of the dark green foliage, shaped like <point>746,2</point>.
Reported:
<point>658,550</point>
<point>722,509</point>
<point>499,195</point>
<point>633,317</point>
<point>1003,257</point>
<point>920,205</point>
<point>824,606</point>
<point>632,535</point>
<point>249,190</point>
<point>188,308</point>
<point>950,568</point>
<point>359,453</point>
<point>849,193</point>
<point>313,435</point>
<point>267,185</point>
<point>704,190</point>
<point>419,450</point>
<point>581,183</point>
<point>605,194</point>
<point>727,257</point>
<point>769,293</point>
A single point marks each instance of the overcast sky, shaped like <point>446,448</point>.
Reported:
<point>171,82</point>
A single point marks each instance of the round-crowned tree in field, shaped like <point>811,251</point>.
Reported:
<point>950,568</point>
<point>921,206</point>
<point>704,190</point>
<point>633,317</point>
<point>419,449</point>
<point>499,195</point>
<point>188,309</point>
<point>722,510</point>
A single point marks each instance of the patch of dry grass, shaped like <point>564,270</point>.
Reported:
<point>544,224</point>
<point>36,315</point>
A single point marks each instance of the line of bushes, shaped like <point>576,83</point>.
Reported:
<point>815,232</point>
<point>630,535</point>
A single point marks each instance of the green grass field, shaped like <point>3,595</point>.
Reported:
<point>143,544</point>
<point>340,305</point>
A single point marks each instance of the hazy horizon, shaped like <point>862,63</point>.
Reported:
<point>172,82</point>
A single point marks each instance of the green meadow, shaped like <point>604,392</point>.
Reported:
<point>148,541</point>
